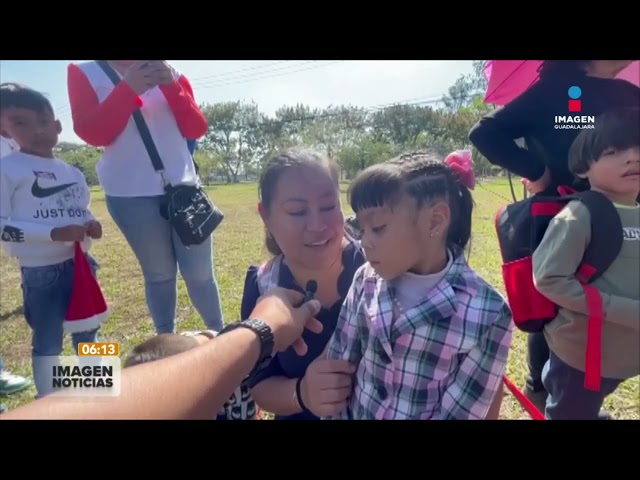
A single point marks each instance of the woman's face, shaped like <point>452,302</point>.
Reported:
<point>305,217</point>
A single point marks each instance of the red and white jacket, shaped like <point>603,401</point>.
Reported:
<point>102,117</point>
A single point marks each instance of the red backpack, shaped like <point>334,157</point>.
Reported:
<point>521,226</point>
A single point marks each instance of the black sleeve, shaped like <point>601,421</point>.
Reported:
<point>250,294</point>
<point>629,93</point>
<point>495,134</point>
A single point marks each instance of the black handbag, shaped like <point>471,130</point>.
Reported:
<point>188,208</point>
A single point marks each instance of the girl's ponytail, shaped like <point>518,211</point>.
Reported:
<point>461,202</point>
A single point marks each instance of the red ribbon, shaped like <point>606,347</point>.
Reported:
<point>461,163</point>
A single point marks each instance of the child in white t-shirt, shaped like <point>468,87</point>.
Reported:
<point>44,210</point>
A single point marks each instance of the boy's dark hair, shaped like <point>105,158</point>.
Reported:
<point>161,346</point>
<point>274,168</point>
<point>424,177</point>
<point>618,129</point>
<point>15,95</point>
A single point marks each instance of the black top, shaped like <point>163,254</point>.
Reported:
<point>288,363</point>
<point>532,116</point>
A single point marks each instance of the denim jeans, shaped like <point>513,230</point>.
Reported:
<point>568,399</point>
<point>160,253</point>
<point>46,294</point>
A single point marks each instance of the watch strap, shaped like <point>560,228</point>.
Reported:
<point>265,335</point>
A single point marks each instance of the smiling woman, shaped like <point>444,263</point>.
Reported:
<point>301,210</point>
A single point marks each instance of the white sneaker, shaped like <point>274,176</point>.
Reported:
<point>10,383</point>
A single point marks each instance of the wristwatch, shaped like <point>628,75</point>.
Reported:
<point>265,335</point>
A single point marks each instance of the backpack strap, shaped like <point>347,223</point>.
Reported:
<point>604,246</point>
<point>606,235</point>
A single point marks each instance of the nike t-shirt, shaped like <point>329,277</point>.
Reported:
<point>7,146</point>
<point>36,195</point>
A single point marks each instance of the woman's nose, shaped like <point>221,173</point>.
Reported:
<point>316,222</point>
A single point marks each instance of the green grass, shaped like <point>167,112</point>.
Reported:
<point>238,243</point>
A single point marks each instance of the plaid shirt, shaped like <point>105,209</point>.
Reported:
<point>442,359</point>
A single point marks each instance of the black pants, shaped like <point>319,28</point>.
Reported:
<point>537,356</point>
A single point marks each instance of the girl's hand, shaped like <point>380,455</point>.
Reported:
<point>326,386</point>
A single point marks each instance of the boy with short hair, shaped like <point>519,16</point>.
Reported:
<point>240,405</point>
<point>609,157</point>
<point>44,210</point>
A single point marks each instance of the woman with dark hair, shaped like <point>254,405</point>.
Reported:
<point>534,117</point>
<point>305,235</point>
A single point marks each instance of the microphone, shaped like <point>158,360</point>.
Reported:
<point>311,289</point>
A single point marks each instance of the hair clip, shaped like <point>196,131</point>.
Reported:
<point>461,163</point>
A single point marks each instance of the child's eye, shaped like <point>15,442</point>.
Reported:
<point>327,209</point>
<point>379,229</point>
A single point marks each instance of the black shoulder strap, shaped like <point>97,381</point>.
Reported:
<point>606,232</point>
<point>139,119</point>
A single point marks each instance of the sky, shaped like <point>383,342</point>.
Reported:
<point>271,83</point>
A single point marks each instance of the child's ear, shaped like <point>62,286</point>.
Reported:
<point>439,218</point>
<point>58,127</point>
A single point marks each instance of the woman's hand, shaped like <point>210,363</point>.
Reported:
<point>326,386</point>
<point>539,185</point>
<point>162,72</point>
<point>140,76</point>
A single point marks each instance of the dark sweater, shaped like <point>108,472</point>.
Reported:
<point>289,364</point>
<point>532,116</point>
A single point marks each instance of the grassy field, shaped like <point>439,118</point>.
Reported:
<point>238,243</point>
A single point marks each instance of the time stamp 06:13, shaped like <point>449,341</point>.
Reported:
<point>99,349</point>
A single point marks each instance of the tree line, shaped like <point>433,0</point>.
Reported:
<point>240,137</point>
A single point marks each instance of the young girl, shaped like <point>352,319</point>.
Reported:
<point>430,338</point>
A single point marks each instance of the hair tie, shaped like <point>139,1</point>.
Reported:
<point>461,163</point>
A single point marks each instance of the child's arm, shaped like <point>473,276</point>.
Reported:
<point>18,231</point>
<point>557,259</point>
<point>93,226</point>
<point>345,343</point>
<point>478,378</point>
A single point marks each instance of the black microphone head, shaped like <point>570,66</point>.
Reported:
<point>312,286</point>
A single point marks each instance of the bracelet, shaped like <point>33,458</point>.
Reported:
<point>297,395</point>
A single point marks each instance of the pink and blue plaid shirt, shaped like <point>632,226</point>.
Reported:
<point>442,359</point>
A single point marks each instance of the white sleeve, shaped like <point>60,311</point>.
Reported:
<point>14,231</point>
